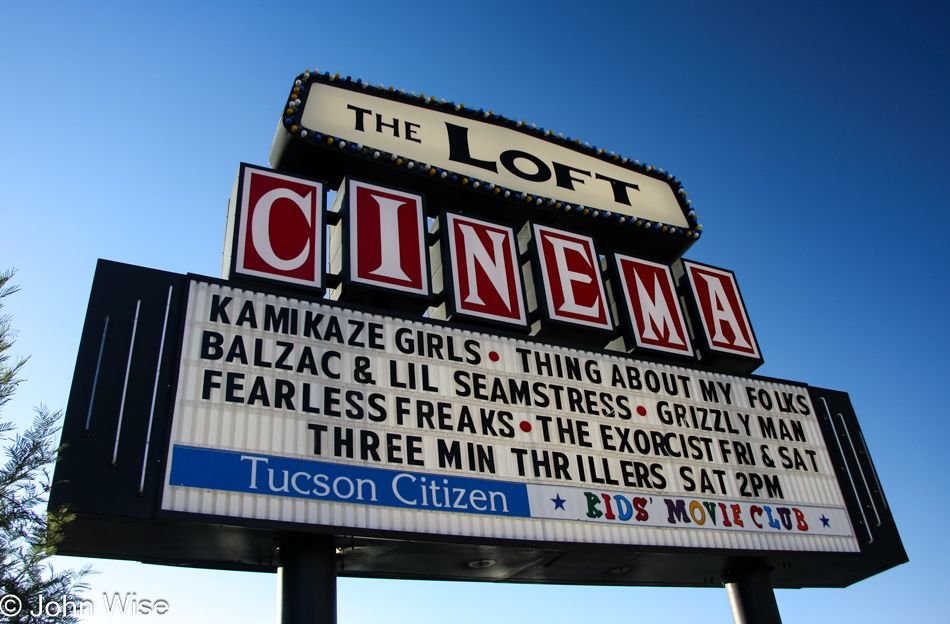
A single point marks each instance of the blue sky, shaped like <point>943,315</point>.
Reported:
<point>812,138</point>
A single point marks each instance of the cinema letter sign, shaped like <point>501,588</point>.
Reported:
<point>276,228</point>
<point>725,328</point>
<point>570,278</point>
<point>386,238</point>
<point>480,261</point>
<point>650,304</point>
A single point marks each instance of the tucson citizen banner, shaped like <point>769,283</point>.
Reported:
<point>291,410</point>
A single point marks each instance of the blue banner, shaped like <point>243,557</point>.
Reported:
<point>254,473</point>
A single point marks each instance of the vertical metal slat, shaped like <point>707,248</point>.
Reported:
<point>861,470</point>
<point>877,479</point>
<point>95,379</point>
<point>151,411</point>
<point>125,385</point>
<point>834,429</point>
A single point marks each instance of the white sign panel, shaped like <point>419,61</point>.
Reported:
<point>485,151</point>
<point>295,411</point>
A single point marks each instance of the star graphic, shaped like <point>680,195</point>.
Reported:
<point>825,521</point>
<point>558,502</point>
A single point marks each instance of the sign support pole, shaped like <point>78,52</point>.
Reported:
<point>750,594</point>
<point>307,579</point>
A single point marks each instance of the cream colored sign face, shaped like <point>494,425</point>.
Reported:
<point>488,152</point>
<point>294,411</point>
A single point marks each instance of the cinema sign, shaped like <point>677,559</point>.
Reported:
<point>379,251</point>
<point>459,371</point>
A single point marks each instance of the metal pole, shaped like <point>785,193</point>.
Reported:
<point>750,594</point>
<point>307,579</point>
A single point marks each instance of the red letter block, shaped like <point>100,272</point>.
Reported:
<point>655,320</point>
<point>571,285</point>
<point>725,327</point>
<point>276,228</point>
<point>482,270</point>
<point>386,238</point>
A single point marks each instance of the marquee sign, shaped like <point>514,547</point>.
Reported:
<point>210,415</point>
<point>294,411</point>
<point>488,344</point>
